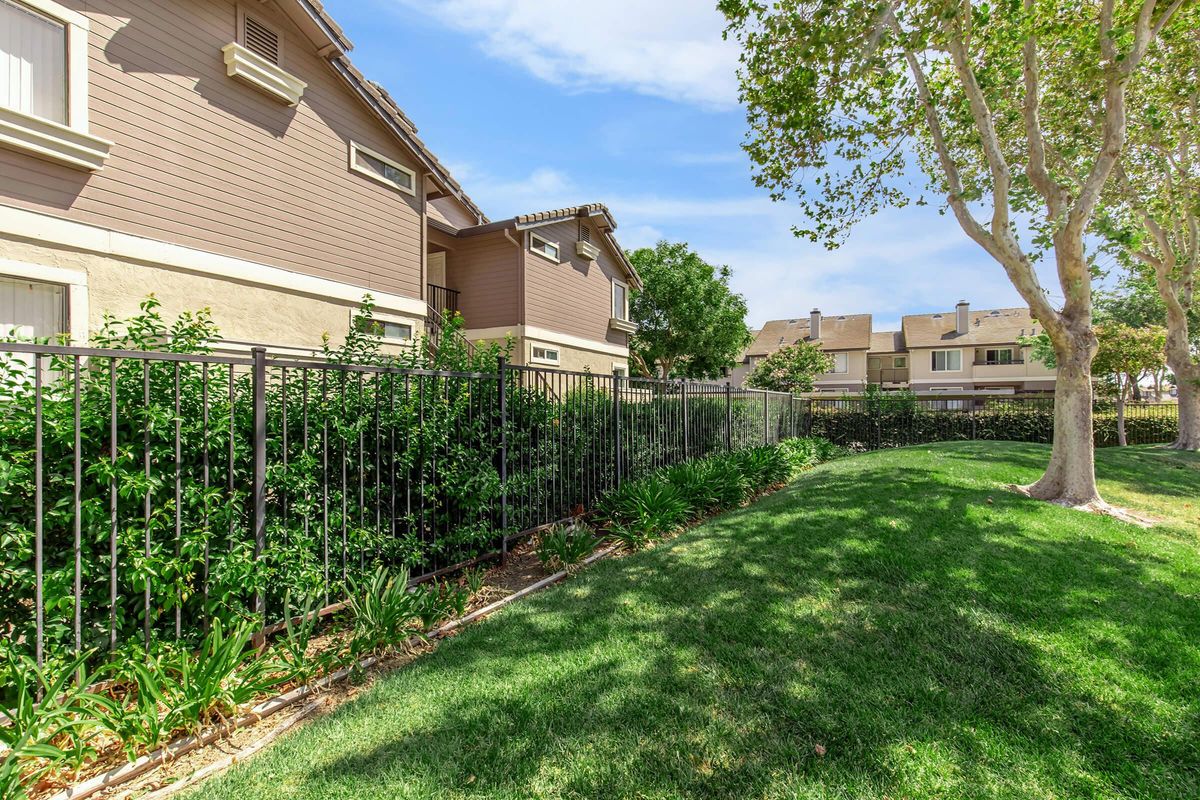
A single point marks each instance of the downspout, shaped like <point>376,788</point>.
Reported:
<point>520,277</point>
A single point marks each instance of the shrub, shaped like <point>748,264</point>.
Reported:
<point>385,611</point>
<point>650,504</point>
<point>809,451</point>
<point>42,735</point>
<point>563,546</point>
<point>698,483</point>
<point>763,467</point>
<point>631,539</point>
<point>438,601</point>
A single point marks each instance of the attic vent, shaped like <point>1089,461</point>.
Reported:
<point>260,40</point>
<point>585,233</point>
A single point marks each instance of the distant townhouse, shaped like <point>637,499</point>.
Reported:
<point>228,154</point>
<point>963,350</point>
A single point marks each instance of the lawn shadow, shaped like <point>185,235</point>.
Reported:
<point>902,623</point>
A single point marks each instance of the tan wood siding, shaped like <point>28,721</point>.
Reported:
<point>484,269</point>
<point>575,296</point>
<point>202,160</point>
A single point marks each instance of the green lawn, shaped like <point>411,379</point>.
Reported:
<point>936,634</point>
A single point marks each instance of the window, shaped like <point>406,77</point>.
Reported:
<point>620,300</point>
<point>900,362</point>
<point>33,62</point>
<point>382,169</point>
<point>841,363</point>
<point>32,311</point>
<point>998,356</point>
<point>543,247</point>
<point>44,84</point>
<point>386,329</point>
<point>544,355</point>
<point>621,368</point>
<point>947,361</point>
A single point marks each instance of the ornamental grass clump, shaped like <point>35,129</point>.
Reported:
<point>565,546</point>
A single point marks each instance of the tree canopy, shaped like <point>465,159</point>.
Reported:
<point>690,324</point>
<point>1015,113</point>
<point>791,368</point>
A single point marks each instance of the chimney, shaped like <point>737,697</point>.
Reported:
<point>962,312</point>
<point>814,324</point>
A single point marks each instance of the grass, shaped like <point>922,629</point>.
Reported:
<point>932,634</point>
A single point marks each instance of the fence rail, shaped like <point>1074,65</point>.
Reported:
<point>144,493</point>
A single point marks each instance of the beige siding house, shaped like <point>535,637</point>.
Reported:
<point>228,154</point>
<point>974,350</point>
<point>555,283</point>
<point>962,350</point>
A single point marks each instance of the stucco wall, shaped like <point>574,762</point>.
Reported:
<point>241,310</point>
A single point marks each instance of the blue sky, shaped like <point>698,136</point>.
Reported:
<point>537,104</point>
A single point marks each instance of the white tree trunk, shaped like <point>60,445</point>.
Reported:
<point>1187,378</point>
<point>1070,478</point>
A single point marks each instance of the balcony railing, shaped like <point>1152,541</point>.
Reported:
<point>998,363</point>
<point>442,299</point>
<point>887,375</point>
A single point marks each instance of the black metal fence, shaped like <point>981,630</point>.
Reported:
<point>871,423</point>
<point>144,493</point>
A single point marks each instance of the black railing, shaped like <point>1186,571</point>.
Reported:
<point>441,299</point>
<point>147,493</point>
<point>997,362</point>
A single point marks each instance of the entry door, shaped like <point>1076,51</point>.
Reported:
<point>436,264</point>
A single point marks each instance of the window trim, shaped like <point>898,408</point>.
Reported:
<point>356,148</point>
<point>623,366</point>
<point>383,316</point>
<point>933,360</point>
<point>533,237</point>
<point>533,359</point>
<point>68,143</point>
<point>835,370</point>
<point>76,284</point>
<point>612,299</point>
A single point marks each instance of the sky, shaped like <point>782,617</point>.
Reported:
<point>540,104</point>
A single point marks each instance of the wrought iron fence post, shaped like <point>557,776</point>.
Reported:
<point>766,418</point>
<point>617,426</point>
<point>502,388</point>
<point>686,423</point>
<point>259,489</point>
<point>728,418</point>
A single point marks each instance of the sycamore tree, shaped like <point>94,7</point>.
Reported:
<point>690,324</point>
<point>1154,203</point>
<point>1015,112</point>
<point>791,369</point>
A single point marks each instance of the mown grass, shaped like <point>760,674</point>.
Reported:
<point>929,632</point>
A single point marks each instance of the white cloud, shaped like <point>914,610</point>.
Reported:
<point>664,48</point>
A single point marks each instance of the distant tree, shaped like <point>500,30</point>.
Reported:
<point>1016,113</point>
<point>1124,356</point>
<point>690,323</point>
<point>791,368</point>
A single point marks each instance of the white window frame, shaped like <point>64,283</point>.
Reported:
<point>622,367</point>
<point>533,359</point>
<point>612,299</point>
<point>356,148</point>
<point>933,356</point>
<point>835,370</point>
<point>69,143</point>
<point>535,239</point>
<point>76,284</point>
<point>382,316</point>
